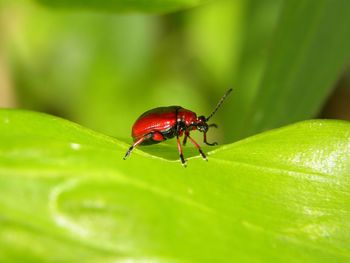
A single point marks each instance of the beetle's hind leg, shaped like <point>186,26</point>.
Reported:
<point>137,142</point>
<point>127,154</point>
<point>155,136</point>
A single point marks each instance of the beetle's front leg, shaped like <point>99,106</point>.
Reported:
<point>198,147</point>
<point>207,143</point>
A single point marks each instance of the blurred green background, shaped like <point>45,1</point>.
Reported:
<point>102,65</point>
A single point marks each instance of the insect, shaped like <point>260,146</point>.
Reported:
<point>163,123</point>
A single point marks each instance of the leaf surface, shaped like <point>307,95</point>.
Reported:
<point>282,195</point>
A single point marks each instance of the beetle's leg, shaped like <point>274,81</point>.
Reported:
<point>198,147</point>
<point>183,162</point>
<point>207,143</point>
<point>185,138</point>
<point>180,127</point>
<point>212,125</point>
<point>147,136</point>
<point>157,136</point>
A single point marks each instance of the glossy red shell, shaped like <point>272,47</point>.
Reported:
<point>161,119</point>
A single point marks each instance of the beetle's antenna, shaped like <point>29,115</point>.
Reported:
<point>219,104</point>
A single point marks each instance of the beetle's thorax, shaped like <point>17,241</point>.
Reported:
<point>186,116</point>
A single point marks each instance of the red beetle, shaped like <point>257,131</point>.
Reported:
<point>163,123</point>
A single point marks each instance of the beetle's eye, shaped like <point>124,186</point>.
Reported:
<point>201,118</point>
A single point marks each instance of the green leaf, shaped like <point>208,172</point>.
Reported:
<point>67,196</point>
<point>308,53</point>
<point>122,6</point>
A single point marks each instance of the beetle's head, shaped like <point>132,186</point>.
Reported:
<point>201,124</point>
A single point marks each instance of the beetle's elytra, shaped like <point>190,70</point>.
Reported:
<point>163,123</point>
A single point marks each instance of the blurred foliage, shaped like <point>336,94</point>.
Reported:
<point>67,196</point>
<point>305,63</point>
<point>103,70</point>
<point>338,105</point>
<point>124,6</point>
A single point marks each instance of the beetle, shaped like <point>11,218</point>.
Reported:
<point>160,124</point>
